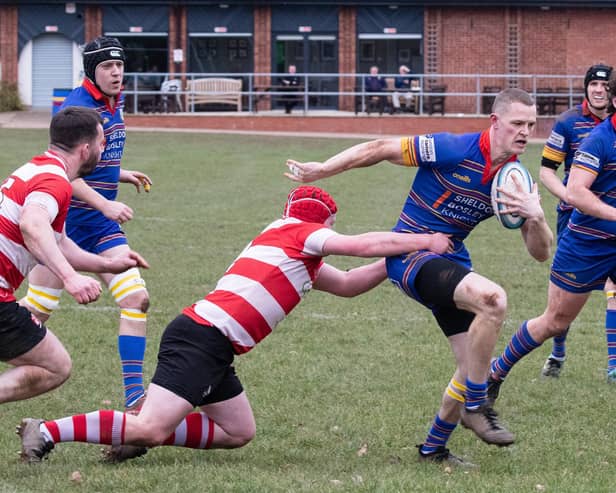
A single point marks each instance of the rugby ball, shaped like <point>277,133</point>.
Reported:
<point>504,179</point>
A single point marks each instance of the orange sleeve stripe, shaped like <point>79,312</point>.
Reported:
<point>408,151</point>
<point>578,166</point>
<point>556,156</point>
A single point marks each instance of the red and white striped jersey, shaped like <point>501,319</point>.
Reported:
<point>266,281</point>
<point>42,180</point>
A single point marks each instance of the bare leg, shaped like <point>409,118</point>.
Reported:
<point>45,367</point>
<point>488,302</point>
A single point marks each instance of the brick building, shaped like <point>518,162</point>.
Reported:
<point>40,41</point>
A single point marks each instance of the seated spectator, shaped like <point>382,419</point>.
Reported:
<point>402,84</point>
<point>290,82</point>
<point>375,83</point>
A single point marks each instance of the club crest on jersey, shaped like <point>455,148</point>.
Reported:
<point>587,159</point>
<point>556,139</point>
<point>427,150</point>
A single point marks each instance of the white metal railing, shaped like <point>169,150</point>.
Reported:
<point>472,92</point>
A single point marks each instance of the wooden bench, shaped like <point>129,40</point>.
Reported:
<point>215,91</point>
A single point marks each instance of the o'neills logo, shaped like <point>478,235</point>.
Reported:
<point>465,179</point>
<point>115,53</point>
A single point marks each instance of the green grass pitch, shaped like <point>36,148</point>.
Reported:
<point>338,376</point>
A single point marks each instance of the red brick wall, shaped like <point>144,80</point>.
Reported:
<point>462,40</point>
<point>553,41</point>
<point>263,48</point>
<point>347,53</point>
<point>178,38</point>
<point>8,43</point>
<point>473,41</point>
<point>93,22</point>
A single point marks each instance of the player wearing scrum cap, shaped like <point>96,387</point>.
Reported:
<point>95,216</point>
<point>262,286</point>
<point>570,128</point>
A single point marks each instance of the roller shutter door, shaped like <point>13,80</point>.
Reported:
<point>52,67</point>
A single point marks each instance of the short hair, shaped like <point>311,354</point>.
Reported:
<point>506,97</point>
<point>72,126</point>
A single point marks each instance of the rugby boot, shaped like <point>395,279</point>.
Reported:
<point>493,390</point>
<point>442,455</point>
<point>484,422</point>
<point>34,446</point>
<point>552,367</point>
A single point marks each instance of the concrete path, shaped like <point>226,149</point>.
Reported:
<point>25,119</point>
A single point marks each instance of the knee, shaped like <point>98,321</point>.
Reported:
<point>245,436</point>
<point>60,369</point>
<point>493,302</point>
<point>238,435</point>
<point>152,436</point>
<point>139,300</point>
<point>549,325</point>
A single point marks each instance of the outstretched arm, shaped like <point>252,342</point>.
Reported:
<point>89,262</point>
<point>384,244</point>
<point>352,282</point>
<point>358,156</point>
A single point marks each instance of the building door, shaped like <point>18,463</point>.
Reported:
<point>52,67</point>
<point>315,55</point>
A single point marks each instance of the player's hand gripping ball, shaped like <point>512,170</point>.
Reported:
<point>504,180</point>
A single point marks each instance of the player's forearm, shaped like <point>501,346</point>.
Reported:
<point>553,183</point>
<point>352,282</point>
<point>85,193</point>
<point>362,279</point>
<point>40,241</point>
<point>361,156</point>
<point>538,238</point>
<point>81,260</point>
<point>588,203</point>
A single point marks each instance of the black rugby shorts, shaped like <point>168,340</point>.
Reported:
<point>19,331</point>
<point>195,363</point>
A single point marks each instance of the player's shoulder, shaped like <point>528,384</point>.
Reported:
<point>568,118</point>
<point>79,97</point>
<point>446,149</point>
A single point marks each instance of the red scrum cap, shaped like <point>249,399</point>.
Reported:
<point>310,204</point>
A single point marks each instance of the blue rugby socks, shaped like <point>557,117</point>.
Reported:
<point>610,334</point>
<point>132,352</point>
<point>519,346</point>
<point>559,346</point>
<point>475,394</point>
<point>437,436</point>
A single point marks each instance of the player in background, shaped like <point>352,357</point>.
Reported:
<point>262,286</point>
<point>451,194</point>
<point>95,216</point>
<point>570,128</point>
<point>34,202</point>
<point>586,253</point>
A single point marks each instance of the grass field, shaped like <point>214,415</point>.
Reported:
<point>344,389</point>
